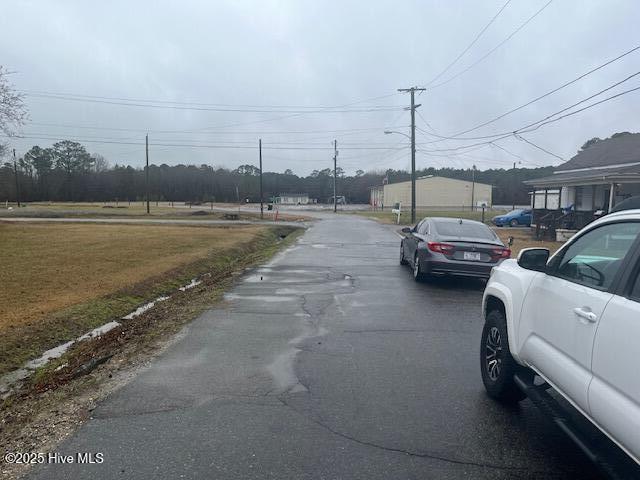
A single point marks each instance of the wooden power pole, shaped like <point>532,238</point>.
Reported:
<point>473,188</point>
<point>335,175</point>
<point>413,107</point>
<point>146,142</point>
<point>261,197</point>
<point>15,171</point>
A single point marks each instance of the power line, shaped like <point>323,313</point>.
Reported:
<point>520,137</point>
<point>544,120</point>
<point>241,132</point>
<point>579,110</point>
<point>191,145</point>
<point>194,104</point>
<point>517,135</point>
<point>550,92</point>
<point>477,37</point>
<point>235,142</point>
<point>529,128</point>
<point>506,151</point>
<point>292,115</point>
<point>378,108</point>
<point>494,48</point>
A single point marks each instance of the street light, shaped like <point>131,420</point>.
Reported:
<point>389,132</point>
<point>413,174</point>
<point>513,183</point>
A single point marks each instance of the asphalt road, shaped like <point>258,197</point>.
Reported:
<point>327,363</point>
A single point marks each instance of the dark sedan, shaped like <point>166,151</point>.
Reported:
<point>451,246</point>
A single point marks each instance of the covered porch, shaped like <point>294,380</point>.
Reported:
<point>566,202</point>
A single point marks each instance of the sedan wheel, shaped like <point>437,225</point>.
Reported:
<point>403,261</point>
<point>514,223</point>
<point>417,273</point>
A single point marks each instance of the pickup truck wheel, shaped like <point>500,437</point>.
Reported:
<point>496,362</point>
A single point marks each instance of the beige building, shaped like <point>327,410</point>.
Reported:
<point>433,192</point>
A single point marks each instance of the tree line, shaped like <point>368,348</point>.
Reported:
<point>68,172</point>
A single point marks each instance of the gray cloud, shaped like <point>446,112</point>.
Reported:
<point>315,54</point>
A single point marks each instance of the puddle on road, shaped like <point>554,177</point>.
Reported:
<point>281,369</point>
<point>255,278</point>
<point>284,270</point>
<point>259,298</point>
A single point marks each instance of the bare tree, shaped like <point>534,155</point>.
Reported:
<point>100,164</point>
<point>13,112</point>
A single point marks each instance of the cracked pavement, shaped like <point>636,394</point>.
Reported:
<point>329,362</point>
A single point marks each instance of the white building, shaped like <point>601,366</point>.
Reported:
<point>292,199</point>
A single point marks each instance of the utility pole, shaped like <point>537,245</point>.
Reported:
<point>335,174</point>
<point>15,171</point>
<point>473,187</point>
<point>146,143</point>
<point>413,107</point>
<point>261,200</point>
<point>513,184</point>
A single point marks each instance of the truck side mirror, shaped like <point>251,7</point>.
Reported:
<point>406,230</point>
<point>534,258</point>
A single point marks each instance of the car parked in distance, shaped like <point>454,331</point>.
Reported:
<point>515,218</point>
<point>574,321</point>
<point>451,246</point>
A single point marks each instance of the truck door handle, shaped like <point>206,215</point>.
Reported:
<point>585,314</point>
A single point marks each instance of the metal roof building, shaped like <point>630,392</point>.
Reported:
<point>433,192</point>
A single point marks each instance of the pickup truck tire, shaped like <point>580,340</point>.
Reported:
<point>496,363</point>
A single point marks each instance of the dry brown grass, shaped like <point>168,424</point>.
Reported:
<point>48,267</point>
<point>138,209</point>
<point>524,238</point>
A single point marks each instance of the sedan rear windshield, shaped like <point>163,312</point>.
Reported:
<point>469,230</point>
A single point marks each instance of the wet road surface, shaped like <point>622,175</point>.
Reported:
<point>328,362</point>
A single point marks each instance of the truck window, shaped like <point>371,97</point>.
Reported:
<point>635,291</point>
<point>595,258</point>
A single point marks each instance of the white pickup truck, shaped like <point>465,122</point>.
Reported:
<point>574,320</point>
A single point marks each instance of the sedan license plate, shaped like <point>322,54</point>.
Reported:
<point>475,256</point>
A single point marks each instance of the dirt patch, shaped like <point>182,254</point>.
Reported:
<point>61,395</point>
<point>524,238</point>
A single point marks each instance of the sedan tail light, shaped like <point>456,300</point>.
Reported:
<point>445,248</point>
<point>501,253</point>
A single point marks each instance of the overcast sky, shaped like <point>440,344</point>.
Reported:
<point>280,56</point>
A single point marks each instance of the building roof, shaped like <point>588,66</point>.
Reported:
<point>592,176</point>
<point>612,151</point>
<point>428,178</point>
<point>611,160</point>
